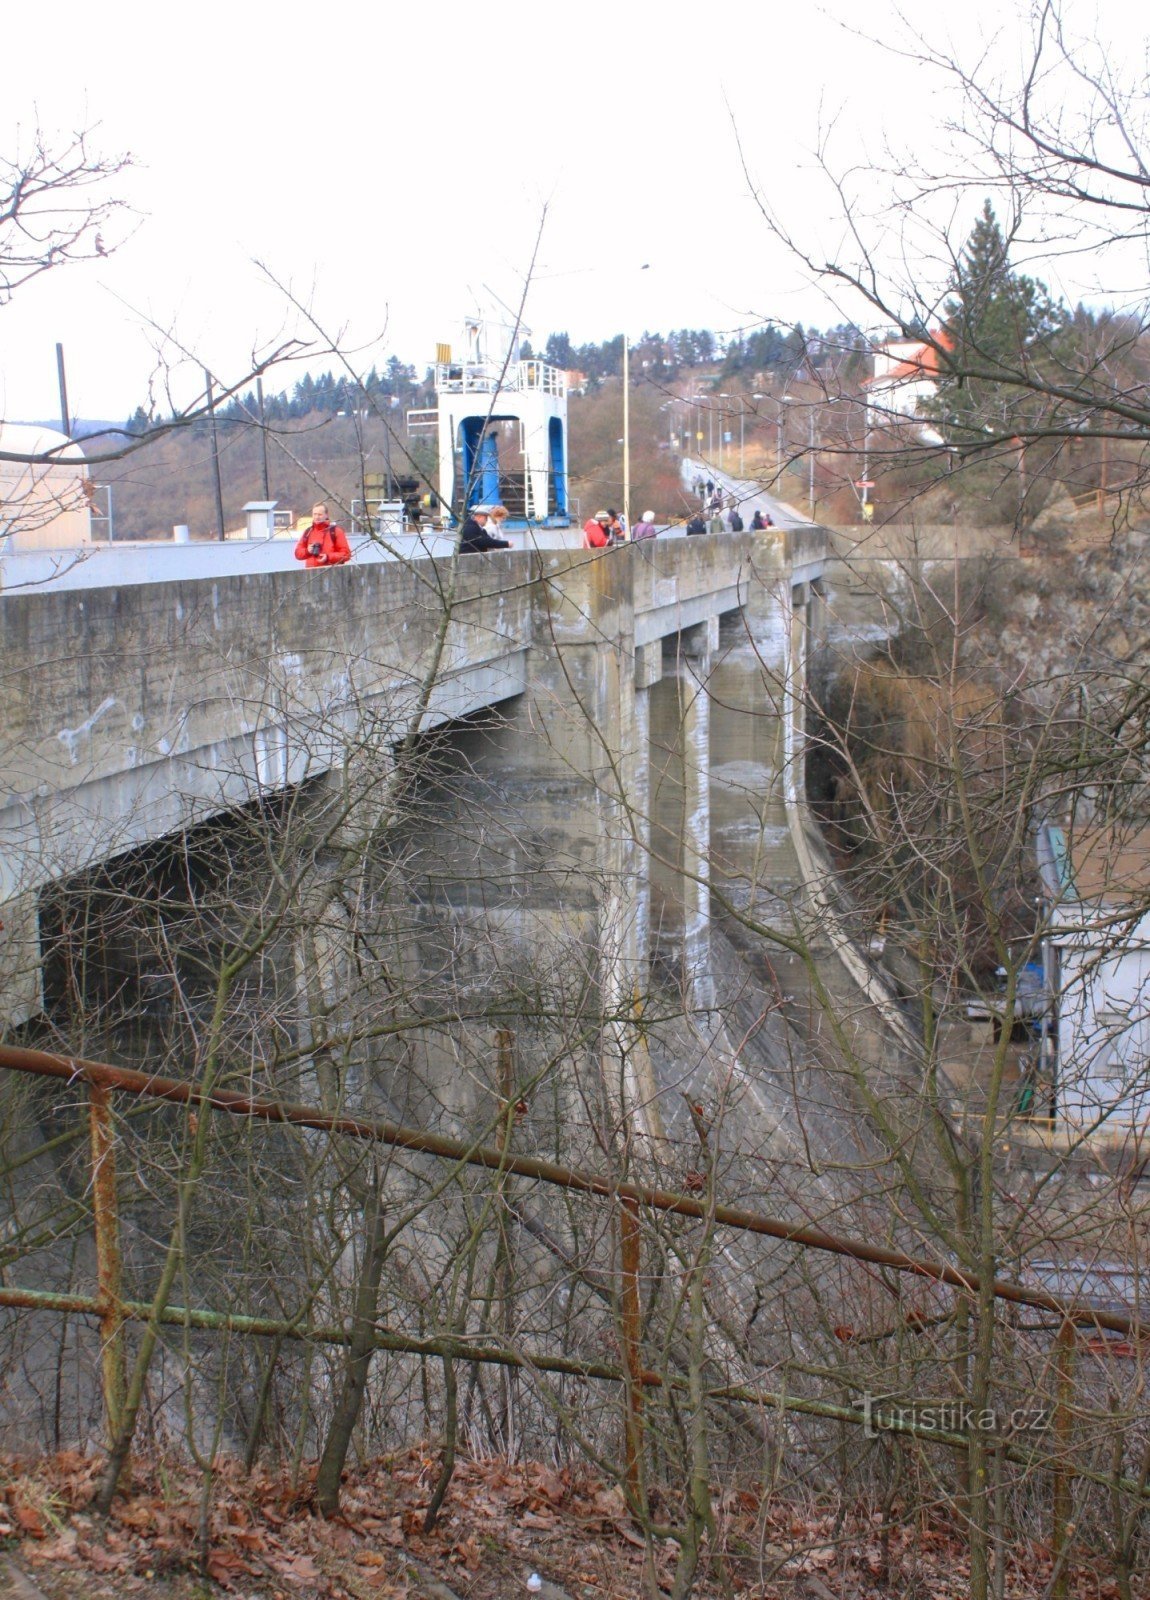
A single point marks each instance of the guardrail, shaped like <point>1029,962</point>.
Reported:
<point>484,377</point>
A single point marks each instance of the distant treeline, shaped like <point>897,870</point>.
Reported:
<point>768,349</point>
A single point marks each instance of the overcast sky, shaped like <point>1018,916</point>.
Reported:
<point>392,165</point>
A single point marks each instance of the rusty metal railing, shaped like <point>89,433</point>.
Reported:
<point>113,1311</point>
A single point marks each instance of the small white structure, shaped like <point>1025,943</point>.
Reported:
<point>1102,977</point>
<point>44,505</point>
<point>261,519</point>
<point>1096,960</point>
<point>489,400</point>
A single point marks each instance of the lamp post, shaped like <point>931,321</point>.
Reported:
<point>722,396</point>
<point>627,435</point>
<point>811,471</point>
<point>646,266</point>
<point>742,420</point>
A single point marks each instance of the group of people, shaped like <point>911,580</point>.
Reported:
<point>324,543</point>
<point>715,523</point>
<point>710,516</point>
<point>608,528</point>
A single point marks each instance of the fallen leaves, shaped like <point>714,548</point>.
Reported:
<point>499,1523</point>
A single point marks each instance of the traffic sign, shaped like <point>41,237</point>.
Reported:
<point>864,483</point>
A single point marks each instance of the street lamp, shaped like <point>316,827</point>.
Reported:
<point>811,466</point>
<point>627,424</point>
<point>626,435</point>
<point>722,396</point>
<point>742,420</point>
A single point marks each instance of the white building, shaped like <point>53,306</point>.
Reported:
<point>502,427</point>
<point>1098,969</point>
<point>1102,977</point>
<point>43,506</point>
<point>905,379</point>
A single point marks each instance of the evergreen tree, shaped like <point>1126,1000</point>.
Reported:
<point>558,352</point>
<point>999,325</point>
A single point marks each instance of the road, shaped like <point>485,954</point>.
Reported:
<point>748,492</point>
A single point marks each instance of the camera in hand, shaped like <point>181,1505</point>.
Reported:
<point>315,549</point>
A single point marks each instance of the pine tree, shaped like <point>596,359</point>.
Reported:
<point>999,326</point>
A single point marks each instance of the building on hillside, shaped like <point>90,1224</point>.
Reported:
<point>1097,963</point>
<point>905,379</point>
<point>502,427</point>
<point>43,506</point>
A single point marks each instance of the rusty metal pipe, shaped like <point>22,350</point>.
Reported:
<point>74,1069</point>
<point>462,1350</point>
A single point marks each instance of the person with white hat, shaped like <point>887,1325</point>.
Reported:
<point>595,531</point>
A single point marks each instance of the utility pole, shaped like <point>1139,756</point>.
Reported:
<point>627,435</point>
<point>811,453</point>
<point>65,414</point>
<point>263,434</point>
<point>215,452</point>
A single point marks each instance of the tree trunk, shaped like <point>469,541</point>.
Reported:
<point>358,1363</point>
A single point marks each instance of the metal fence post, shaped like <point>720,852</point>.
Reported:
<point>632,1361</point>
<point>109,1261</point>
<point>1060,1507</point>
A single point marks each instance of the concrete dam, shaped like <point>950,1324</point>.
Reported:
<point>496,848</point>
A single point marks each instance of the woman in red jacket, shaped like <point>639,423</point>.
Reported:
<point>324,544</point>
<point>595,531</point>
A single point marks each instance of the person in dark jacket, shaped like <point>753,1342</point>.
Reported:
<point>757,523</point>
<point>474,536</point>
<point>735,521</point>
<point>324,544</point>
<point>696,524</point>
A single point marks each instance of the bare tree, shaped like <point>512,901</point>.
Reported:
<point>1056,143</point>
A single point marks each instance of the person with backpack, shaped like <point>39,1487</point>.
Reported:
<point>735,521</point>
<point>324,544</point>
